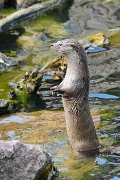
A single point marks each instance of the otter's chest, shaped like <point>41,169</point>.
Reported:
<point>73,106</point>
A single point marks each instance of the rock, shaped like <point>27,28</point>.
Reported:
<point>32,11</point>
<point>31,81</point>
<point>99,39</point>
<point>25,3</point>
<point>23,161</point>
<point>95,43</point>
<point>5,61</point>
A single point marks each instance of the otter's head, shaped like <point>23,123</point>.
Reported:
<point>64,47</point>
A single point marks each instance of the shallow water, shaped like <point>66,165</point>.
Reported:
<point>31,40</point>
<point>48,127</point>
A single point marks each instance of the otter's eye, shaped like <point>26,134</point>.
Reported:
<point>73,46</point>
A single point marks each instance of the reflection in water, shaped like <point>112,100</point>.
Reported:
<point>88,154</point>
<point>15,119</point>
<point>8,39</point>
<point>102,96</point>
<point>87,17</point>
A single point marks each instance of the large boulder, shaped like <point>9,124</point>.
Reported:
<point>23,161</point>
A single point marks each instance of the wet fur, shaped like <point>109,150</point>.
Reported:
<point>75,90</point>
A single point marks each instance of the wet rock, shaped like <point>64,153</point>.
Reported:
<point>25,3</point>
<point>27,91</point>
<point>99,39</point>
<point>30,83</point>
<point>23,161</point>
<point>96,43</point>
<point>36,9</point>
<point>6,62</point>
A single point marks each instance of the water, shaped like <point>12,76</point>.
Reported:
<point>31,41</point>
<point>15,119</point>
<point>103,96</point>
<point>48,127</point>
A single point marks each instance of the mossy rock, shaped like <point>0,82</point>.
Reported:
<point>29,102</point>
<point>107,114</point>
<point>98,39</point>
<point>31,81</point>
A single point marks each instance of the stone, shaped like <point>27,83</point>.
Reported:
<point>31,81</point>
<point>95,43</point>
<point>23,161</point>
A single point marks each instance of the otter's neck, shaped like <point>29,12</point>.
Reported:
<point>77,65</point>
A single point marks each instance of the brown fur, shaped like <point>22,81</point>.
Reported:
<point>75,90</point>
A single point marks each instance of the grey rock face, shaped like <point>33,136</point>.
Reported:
<point>22,161</point>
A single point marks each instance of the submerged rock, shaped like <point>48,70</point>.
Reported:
<point>23,161</point>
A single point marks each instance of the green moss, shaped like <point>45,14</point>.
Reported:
<point>11,53</point>
<point>29,102</point>
<point>44,23</point>
<point>107,114</point>
<point>115,38</point>
<point>5,77</point>
<point>7,11</point>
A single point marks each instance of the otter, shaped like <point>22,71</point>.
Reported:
<point>75,90</point>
